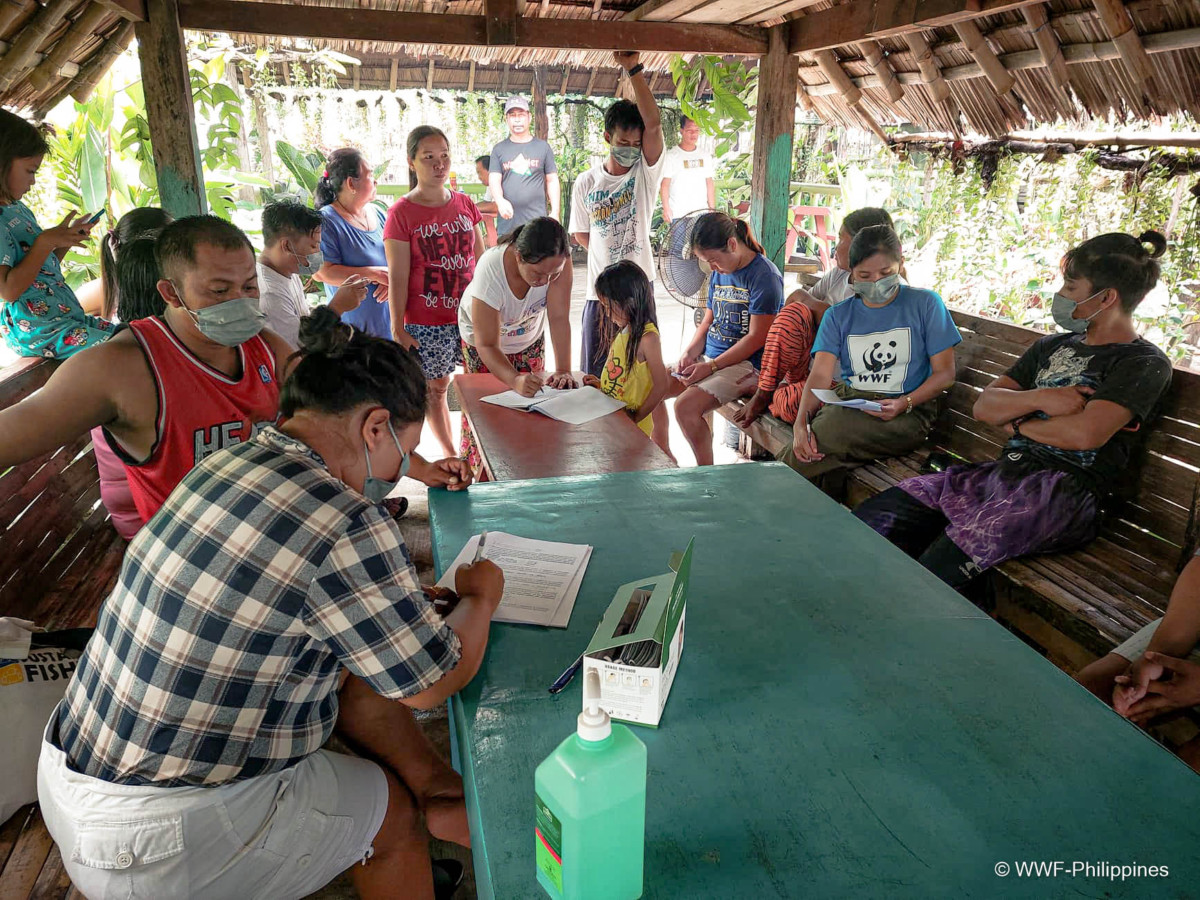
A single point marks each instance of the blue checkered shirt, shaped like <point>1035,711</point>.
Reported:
<point>218,655</point>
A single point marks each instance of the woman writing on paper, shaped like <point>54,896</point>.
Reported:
<point>518,286</point>
<point>891,343</point>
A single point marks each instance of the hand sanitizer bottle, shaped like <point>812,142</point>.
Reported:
<point>591,809</point>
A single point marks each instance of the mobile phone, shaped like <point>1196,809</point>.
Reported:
<point>96,218</point>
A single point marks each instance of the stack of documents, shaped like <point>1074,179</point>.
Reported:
<point>541,578</point>
<point>575,406</point>
<point>833,399</point>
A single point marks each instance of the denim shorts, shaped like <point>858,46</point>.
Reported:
<point>282,835</point>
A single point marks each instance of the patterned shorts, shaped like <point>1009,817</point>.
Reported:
<point>440,348</point>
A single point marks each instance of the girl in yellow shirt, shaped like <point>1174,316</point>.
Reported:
<point>634,371</point>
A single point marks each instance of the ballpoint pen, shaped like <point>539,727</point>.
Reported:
<point>565,678</point>
<point>479,549</point>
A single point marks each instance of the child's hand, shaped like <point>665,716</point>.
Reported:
<point>561,381</point>
<point>685,365</point>
<point>70,232</point>
<point>527,384</point>
<point>591,381</point>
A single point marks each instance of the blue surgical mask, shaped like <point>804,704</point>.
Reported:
<point>377,489</point>
<point>308,265</point>
<point>230,322</point>
<point>1063,311</point>
<point>627,156</point>
<point>877,292</point>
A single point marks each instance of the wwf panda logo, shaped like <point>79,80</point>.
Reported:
<point>880,356</point>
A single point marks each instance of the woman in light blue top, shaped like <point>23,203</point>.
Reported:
<point>39,315</point>
<point>890,344</point>
<point>352,238</point>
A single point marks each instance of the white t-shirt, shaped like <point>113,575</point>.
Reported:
<point>689,171</point>
<point>282,300</point>
<point>522,320</point>
<point>615,211</point>
<point>833,287</point>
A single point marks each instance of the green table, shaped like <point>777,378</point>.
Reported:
<point>842,724</point>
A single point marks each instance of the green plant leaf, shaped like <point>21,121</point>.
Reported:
<point>93,171</point>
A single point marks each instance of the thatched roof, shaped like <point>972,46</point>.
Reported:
<point>940,71</point>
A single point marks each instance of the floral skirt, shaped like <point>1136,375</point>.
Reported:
<point>531,359</point>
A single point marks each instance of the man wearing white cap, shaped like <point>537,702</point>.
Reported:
<point>523,174</point>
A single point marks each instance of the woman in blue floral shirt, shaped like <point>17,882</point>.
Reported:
<point>39,315</point>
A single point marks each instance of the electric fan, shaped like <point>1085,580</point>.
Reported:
<point>684,275</point>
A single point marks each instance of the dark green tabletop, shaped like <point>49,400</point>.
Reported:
<point>842,724</point>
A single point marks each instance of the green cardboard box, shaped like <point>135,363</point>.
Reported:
<point>636,648</point>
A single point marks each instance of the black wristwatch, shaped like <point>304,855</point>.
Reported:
<point>636,69</point>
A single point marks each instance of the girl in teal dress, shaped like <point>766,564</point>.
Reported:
<point>39,315</point>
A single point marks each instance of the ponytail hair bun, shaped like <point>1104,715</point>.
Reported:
<point>1157,241</point>
<point>322,331</point>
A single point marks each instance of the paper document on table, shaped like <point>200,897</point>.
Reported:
<point>541,578</point>
<point>575,407</point>
<point>834,400</point>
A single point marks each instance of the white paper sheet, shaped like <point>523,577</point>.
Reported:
<point>575,407</point>
<point>834,400</point>
<point>541,578</point>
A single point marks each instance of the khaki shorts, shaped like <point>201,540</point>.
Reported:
<point>1137,645</point>
<point>282,835</point>
<point>730,383</point>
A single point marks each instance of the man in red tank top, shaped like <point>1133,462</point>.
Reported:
<point>171,390</point>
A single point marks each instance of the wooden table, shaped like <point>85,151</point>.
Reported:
<point>517,445</point>
<point>842,724</point>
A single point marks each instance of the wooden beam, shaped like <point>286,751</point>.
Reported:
<point>504,78</point>
<point>81,86</point>
<point>669,37</point>
<point>849,91</point>
<point>566,79</point>
<point>69,70</point>
<point>787,10</point>
<point>1000,78</point>
<point>877,60</point>
<point>129,10</point>
<point>471,77</point>
<point>661,10</point>
<point>394,72</point>
<point>591,82</point>
<point>1119,25</point>
<point>1050,50</point>
<point>500,17</point>
<point>597,5</point>
<point>775,117</point>
<point>350,24</point>
<point>49,69</point>
<point>16,62</point>
<point>170,110</point>
<point>356,76</point>
<point>429,76</point>
<point>852,22</point>
<point>285,70</point>
<point>10,11</point>
<point>1073,54</point>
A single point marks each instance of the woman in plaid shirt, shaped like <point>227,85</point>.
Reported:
<point>269,592</point>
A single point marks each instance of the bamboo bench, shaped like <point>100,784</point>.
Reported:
<point>1076,606</point>
<point>59,554</point>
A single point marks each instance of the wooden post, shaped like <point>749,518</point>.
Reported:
<point>500,22</point>
<point>566,79</point>
<point>541,117</point>
<point>1120,28</point>
<point>774,127</point>
<point>244,192</point>
<point>80,31</point>
<point>591,81</point>
<point>170,110</point>
<point>266,147</point>
<point>504,79</point>
<point>1000,78</point>
<point>876,59</point>
<point>393,73</point>
<point>1051,52</point>
<point>471,77</point>
<point>33,33</point>
<point>429,76</point>
<point>803,99</point>
<point>355,77</point>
